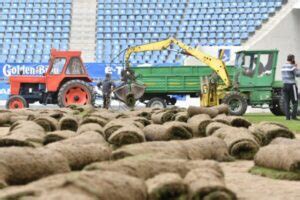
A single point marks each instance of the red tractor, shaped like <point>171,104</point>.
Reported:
<point>66,82</point>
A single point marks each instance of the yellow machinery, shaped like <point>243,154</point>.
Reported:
<point>209,86</point>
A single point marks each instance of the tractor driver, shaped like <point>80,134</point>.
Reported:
<point>127,75</point>
<point>107,86</point>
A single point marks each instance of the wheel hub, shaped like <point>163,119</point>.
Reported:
<point>15,104</point>
<point>235,104</point>
<point>157,104</point>
<point>77,95</point>
<point>76,98</point>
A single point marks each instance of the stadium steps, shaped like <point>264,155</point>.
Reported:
<point>83,28</point>
<point>270,24</point>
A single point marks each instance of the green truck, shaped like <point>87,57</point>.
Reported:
<point>252,79</point>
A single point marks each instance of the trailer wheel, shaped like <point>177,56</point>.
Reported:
<point>157,102</point>
<point>276,108</point>
<point>16,102</point>
<point>173,101</point>
<point>237,103</point>
<point>75,92</point>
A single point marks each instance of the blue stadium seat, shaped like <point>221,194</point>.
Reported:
<point>35,25</point>
<point>28,25</point>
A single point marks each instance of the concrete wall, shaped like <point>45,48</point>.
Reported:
<point>285,37</point>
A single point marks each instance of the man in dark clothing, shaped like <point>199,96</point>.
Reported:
<point>107,86</point>
<point>289,72</point>
<point>126,75</point>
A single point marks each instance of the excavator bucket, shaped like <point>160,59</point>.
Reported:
<point>137,90</point>
<point>129,93</point>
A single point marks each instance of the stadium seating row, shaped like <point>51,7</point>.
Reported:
<point>30,28</point>
<point>123,23</point>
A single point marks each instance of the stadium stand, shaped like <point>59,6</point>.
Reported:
<point>122,23</point>
<point>30,28</point>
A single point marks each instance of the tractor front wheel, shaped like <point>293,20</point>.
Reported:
<point>16,102</point>
<point>237,103</point>
<point>76,92</point>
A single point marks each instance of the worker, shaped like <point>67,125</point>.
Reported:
<point>107,86</point>
<point>126,75</point>
<point>290,92</point>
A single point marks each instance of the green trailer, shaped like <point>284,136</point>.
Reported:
<point>252,79</point>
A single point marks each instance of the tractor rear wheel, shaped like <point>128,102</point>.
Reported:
<point>75,92</point>
<point>237,103</point>
<point>282,105</point>
<point>276,107</point>
<point>16,102</point>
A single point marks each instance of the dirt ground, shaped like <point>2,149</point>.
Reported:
<point>248,186</point>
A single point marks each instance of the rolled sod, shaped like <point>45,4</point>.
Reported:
<point>279,156</point>
<point>213,126</point>
<point>127,135</point>
<point>207,183</point>
<point>48,123</point>
<point>198,124</point>
<point>83,149</point>
<point>146,167</point>
<point>81,185</point>
<point>116,124</point>
<point>24,133</point>
<point>195,110</point>
<point>68,123</point>
<point>161,117</point>
<point>20,165</point>
<point>58,135</point>
<point>270,131</point>
<point>193,149</point>
<point>241,143</point>
<point>167,131</point>
<point>90,127</point>
<point>166,186</point>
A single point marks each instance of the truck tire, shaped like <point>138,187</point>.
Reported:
<point>16,102</point>
<point>157,102</point>
<point>173,101</point>
<point>237,103</point>
<point>282,105</point>
<point>75,92</point>
<point>276,108</point>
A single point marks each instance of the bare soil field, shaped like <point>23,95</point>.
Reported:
<point>248,186</point>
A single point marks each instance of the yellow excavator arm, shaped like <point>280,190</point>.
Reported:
<point>215,63</point>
